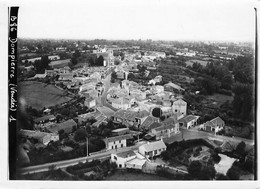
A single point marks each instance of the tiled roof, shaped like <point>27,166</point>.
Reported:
<point>148,122</point>
<point>117,138</point>
<point>188,118</point>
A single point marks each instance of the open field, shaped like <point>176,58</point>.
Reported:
<point>124,175</point>
<point>220,98</point>
<point>39,95</point>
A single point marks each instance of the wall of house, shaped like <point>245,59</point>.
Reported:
<point>182,108</point>
<point>121,161</point>
<point>116,144</point>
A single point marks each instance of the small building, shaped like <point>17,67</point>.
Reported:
<point>172,87</point>
<point>188,121</point>
<point>44,121</point>
<point>179,106</point>
<point>90,102</point>
<point>117,141</point>
<point>214,125</point>
<point>121,158</point>
<point>60,63</point>
<point>121,131</point>
<point>39,137</point>
<point>152,149</point>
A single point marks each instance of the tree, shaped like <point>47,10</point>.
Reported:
<point>100,61</point>
<point>233,173</point>
<point>240,149</point>
<point>157,112</point>
<point>80,134</point>
<point>194,168</point>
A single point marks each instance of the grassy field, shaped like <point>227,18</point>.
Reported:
<point>39,95</point>
<point>124,175</point>
<point>220,98</point>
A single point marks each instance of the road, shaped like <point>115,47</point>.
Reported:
<point>67,163</point>
<point>188,134</point>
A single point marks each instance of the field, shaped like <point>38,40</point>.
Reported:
<point>124,175</point>
<point>39,95</point>
<point>220,98</point>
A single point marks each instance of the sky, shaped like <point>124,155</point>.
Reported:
<point>215,20</point>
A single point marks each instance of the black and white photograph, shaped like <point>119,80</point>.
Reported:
<point>120,90</point>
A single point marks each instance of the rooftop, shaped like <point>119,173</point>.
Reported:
<point>151,146</point>
<point>188,118</point>
<point>126,154</point>
<point>117,138</point>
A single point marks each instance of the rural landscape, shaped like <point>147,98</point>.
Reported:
<point>150,107</point>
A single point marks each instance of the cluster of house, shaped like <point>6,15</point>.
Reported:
<point>138,159</point>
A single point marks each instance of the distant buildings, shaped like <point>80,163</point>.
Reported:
<point>130,118</point>
<point>44,121</point>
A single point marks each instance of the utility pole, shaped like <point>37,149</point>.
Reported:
<point>87,145</point>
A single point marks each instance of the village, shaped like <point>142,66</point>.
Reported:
<point>123,111</point>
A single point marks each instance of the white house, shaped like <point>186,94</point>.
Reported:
<point>214,125</point>
<point>117,141</point>
<point>121,158</point>
<point>179,106</point>
<point>152,149</point>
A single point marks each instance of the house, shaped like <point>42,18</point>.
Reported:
<point>44,121</point>
<point>121,158</point>
<point>130,118</point>
<point>90,102</point>
<point>59,63</point>
<point>117,141</point>
<point>214,125</point>
<point>179,106</point>
<point>39,137</point>
<point>120,131</point>
<point>172,87</point>
<point>67,126</point>
<point>188,121</point>
<point>66,77</point>
<point>167,128</point>
<point>148,122</point>
<point>152,149</point>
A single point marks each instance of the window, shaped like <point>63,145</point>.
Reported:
<point>112,147</point>
<point>115,157</point>
<point>155,152</point>
<point>119,141</point>
<point>114,142</point>
<point>122,145</point>
<point>120,165</point>
<point>175,110</point>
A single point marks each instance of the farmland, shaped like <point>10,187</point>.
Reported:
<point>39,95</point>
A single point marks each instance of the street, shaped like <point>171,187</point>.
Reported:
<point>67,163</point>
<point>188,134</point>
